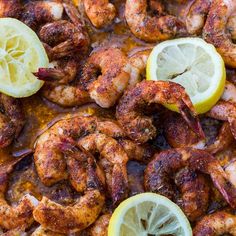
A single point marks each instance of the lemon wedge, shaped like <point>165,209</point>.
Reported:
<point>21,54</point>
<point>194,64</point>
<point>148,214</point>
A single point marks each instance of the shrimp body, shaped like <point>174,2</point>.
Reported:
<point>69,219</point>
<point>65,38</point>
<point>196,16</point>
<point>20,216</point>
<point>12,119</point>
<point>214,30</point>
<point>150,28</point>
<point>218,223</point>
<point>100,12</point>
<point>138,63</point>
<point>40,231</point>
<point>105,76</point>
<point>159,171</point>
<point>41,12</point>
<point>225,111</point>
<point>10,8</point>
<point>131,106</point>
<point>100,227</point>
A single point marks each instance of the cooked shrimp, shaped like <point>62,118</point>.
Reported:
<point>43,232</point>
<point>36,13</point>
<point>69,219</point>
<point>160,170</point>
<point>12,119</point>
<point>10,8</point>
<point>178,135</point>
<point>229,94</point>
<point>195,191</point>
<point>64,38</point>
<point>99,228</point>
<point>218,223</point>
<point>100,12</point>
<point>150,28</point>
<point>215,29</point>
<point>15,232</point>
<point>137,66</point>
<point>196,16</point>
<point>66,95</point>
<point>131,106</point>
<point>61,72</point>
<point>19,216</point>
<point>225,111</point>
<point>230,170</point>
<point>113,152</point>
<point>49,157</point>
<point>105,76</point>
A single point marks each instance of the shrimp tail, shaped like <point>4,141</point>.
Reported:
<point>191,119</point>
<point>47,74</point>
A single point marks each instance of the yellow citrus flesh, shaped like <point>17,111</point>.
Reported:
<point>148,214</point>
<point>21,54</point>
<point>194,64</point>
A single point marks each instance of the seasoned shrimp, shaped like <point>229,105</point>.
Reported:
<point>15,232</point>
<point>196,16</point>
<point>12,119</point>
<point>137,66</point>
<point>218,223</point>
<point>160,170</point>
<point>225,111</point>
<point>69,219</point>
<point>131,106</point>
<point>10,8</point>
<point>99,228</point>
<point>150,28</point>
<point>105,76</point>
<point>64,38</point>
<point>230,170</point>
<point>100,12</point>
<point>43,232</point>
<point>36,13</point>
<point>112,151</point>
<point>19,216</point>
<point>215,33</point>
<point>178,135</point>
<point>49,157</point>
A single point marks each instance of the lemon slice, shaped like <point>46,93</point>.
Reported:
<point>148,214</point>
<point>194,64</point>
<point>21,54</point>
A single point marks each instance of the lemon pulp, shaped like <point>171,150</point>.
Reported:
<point>21,54</point>
<point>148,214</point>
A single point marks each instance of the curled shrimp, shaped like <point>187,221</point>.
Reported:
<point>150,28</point>
<point>214,30</point>
<point>40,231</point>
<point>196,16</point>
<point>129,112</point>
<point>105,76</point>
<point>10,8</point>
<point>64,38</point>
<point>159,171</point>
<point>137,66</point>
<point>12,119</point>
<point>99,228</point>
<point>218,223</point>
<point>69,219</point>
<point>36,13</point>
<point>100,12</point>
<point>20,216</point>
<point>179,135</point>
